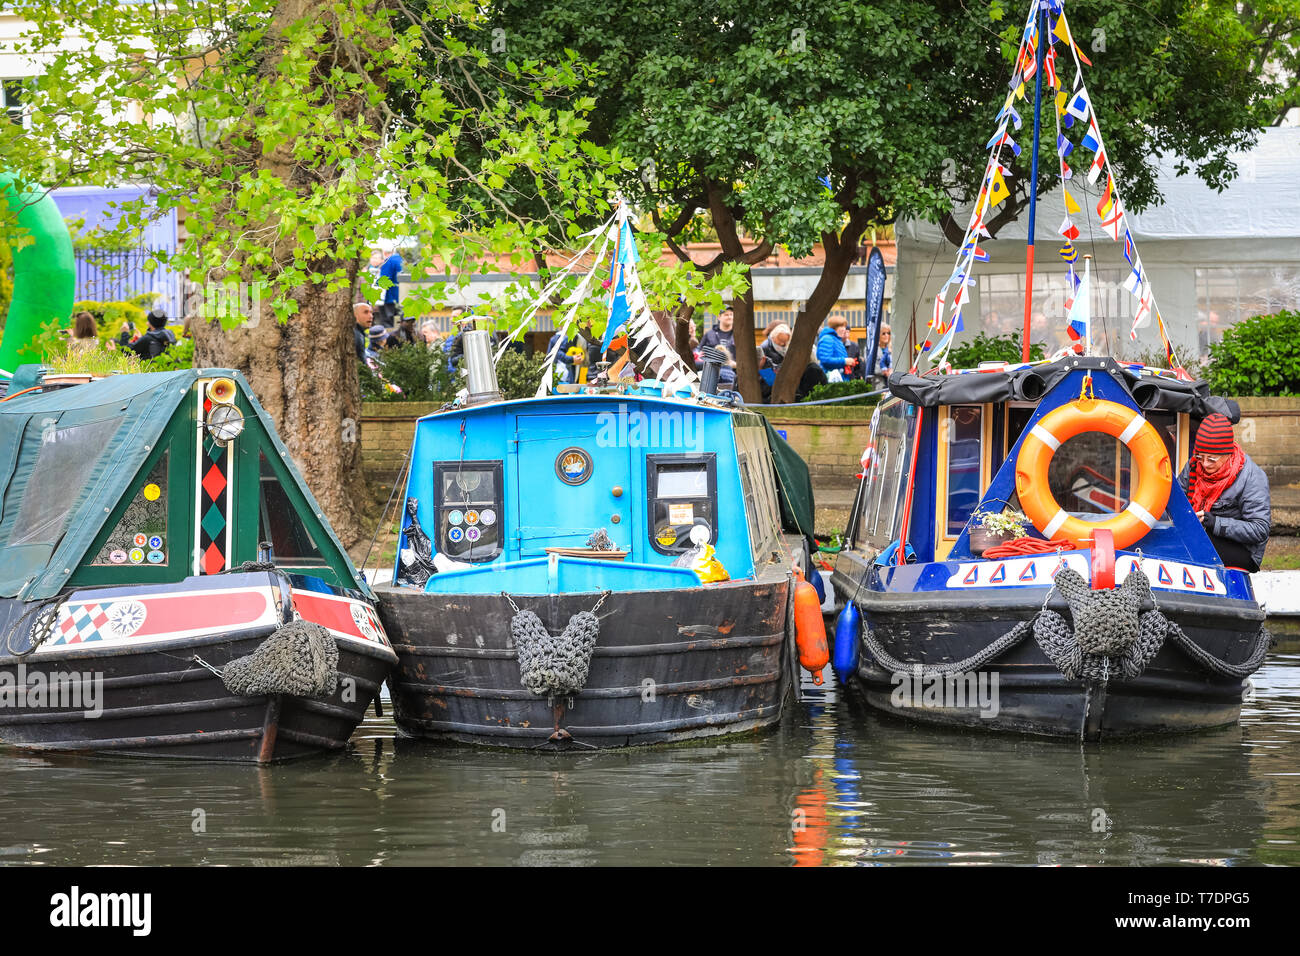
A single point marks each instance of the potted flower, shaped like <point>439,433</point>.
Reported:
<point>991,528</point>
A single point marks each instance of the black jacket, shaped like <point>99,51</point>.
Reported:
<point>153,343</point>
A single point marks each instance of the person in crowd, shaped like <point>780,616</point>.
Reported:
<point>832,356</point>
<point>364,314</point>
<point>404,334</point>
<point>884,353</point>
<point>854,352</point>
<point>156,340</point>
<point>722,336</point>
<point>390,269</point>
<point>565,372</point>
<point>453,346</point>
<point>1229,493</point>
<point>429,333</point>
<point>776,344</point>
<point>85,333</point>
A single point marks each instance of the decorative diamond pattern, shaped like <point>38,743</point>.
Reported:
<point>214,482</point>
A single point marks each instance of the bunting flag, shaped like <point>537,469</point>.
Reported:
<point>1079,311</point>
<point>1069,253</point>
<point>972,250</point>
<point>1068,229</point>
<point>1066,172</point>
<point>1049,68</point>
<point>1063,146</point>
<point>1079,107</point>
<point>1092,138</point>
<point>1129,250</point>
<point>1136,280</point>
<point>1107,197</point>
<point>1071,206</point>
<point>998,191</point>
<point>1098,165</point>
<point>1143,316</point>
<point>1114,223</point>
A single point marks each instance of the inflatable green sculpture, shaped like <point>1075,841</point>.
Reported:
<point>45,275</point>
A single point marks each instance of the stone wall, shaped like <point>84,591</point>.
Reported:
<point>1269,433</point>
<point>387,430</point>
<point>830,438</point>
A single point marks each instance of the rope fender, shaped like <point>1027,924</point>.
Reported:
<point>300,658</point>
<point>551,665</point>
<point>1110,638</point>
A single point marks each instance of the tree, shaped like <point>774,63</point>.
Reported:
<point>1275,26</point>
<point>795,121</point>
<point>267,125</point>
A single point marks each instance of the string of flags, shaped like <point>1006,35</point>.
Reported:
<point>1073,109</point>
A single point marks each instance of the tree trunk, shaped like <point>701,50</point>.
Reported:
<point>841,250</point>
<point>304,370</point>
<point>682,338</point>
<point>724,222</point>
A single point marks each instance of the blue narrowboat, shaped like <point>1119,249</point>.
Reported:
<point>1114,614</point>
<point>601,569</point>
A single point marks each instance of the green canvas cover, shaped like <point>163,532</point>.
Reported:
<point>69,455</point>
<point>794,485</point>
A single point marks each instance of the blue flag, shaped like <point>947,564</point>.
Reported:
<point>618,309</point>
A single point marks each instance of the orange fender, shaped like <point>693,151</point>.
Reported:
<point>810,628</point>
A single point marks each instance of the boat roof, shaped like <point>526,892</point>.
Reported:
<point>1030,381</point>
<point>69,455</point>
<point>637,395</point>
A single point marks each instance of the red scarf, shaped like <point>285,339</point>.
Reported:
<point>1204,490</point>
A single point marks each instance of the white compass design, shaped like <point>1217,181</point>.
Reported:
<point>125,618</point>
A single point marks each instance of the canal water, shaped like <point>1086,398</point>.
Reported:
<point>836,784</point>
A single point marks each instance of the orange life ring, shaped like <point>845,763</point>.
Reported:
<point>1155,474</point>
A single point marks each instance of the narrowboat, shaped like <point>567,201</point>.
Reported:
<point>600,569</point>
<point>1108,612</point>
<point>168,585</point>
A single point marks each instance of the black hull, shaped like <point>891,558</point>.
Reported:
<point>720,659</point>
<point>1174,694</point>
<point>158,702</point>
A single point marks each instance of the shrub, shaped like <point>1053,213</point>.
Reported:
<point>854,386</point>
<point>518,375</point>
<point>180,355</point>
<point>993,348</point>
<point>1258,356</point>
<point>420,373</point>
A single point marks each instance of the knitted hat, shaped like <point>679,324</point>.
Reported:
<point>1214,437</point>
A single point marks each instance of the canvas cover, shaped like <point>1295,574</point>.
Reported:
<point>67,458</point>
<point>794,485</point>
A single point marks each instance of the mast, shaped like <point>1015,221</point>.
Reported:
<point>1040,54</point>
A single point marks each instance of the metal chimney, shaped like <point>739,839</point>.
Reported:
<point>479,370</point>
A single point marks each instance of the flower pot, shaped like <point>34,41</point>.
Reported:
<point>981,539</point>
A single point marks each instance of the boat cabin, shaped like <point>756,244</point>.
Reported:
<point>964,455</point>
<point>510,494</point>
<point>149,479</point>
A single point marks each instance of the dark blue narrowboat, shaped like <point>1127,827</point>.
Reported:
<point>602,569</point>
<point>1113,615</point>
<point>168,585</point>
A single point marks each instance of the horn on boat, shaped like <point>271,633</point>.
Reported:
<point>222,391</point>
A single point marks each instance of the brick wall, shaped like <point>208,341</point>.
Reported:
<point>1269,432</point>
<point>387,429</point>
<point>830,438</point>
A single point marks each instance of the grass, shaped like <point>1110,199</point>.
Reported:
<point>1283,554</point>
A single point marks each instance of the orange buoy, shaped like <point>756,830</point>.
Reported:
<point>809,628</point>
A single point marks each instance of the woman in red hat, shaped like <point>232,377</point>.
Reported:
<point>1229,493</point>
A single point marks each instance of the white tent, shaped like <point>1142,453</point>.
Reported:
<point>1212,258</point>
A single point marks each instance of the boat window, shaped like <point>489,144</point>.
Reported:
<point>140,535</point>
<point>468,509</point>
<point>59,478</point>
<point>884,479</point>
<point>963,433</point>
<point>280,523</point>
<point>682,493</point>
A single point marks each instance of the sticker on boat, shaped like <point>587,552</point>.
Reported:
<point>1037,571</point>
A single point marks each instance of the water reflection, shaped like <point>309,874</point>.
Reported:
<point>837,784</point>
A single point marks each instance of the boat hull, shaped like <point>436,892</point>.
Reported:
<point>1173,693</point>
<point>667,666</point>
<point>155,697</point>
